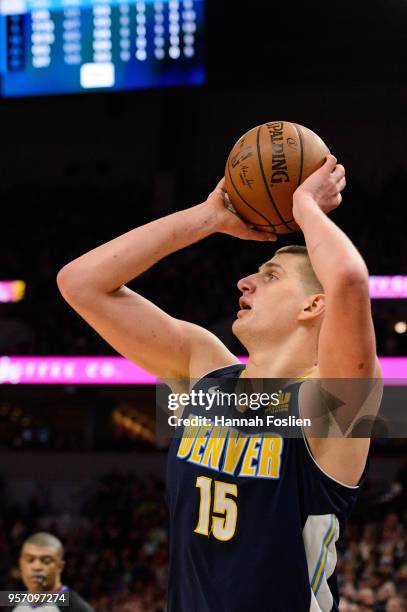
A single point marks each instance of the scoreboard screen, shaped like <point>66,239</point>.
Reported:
<point>71,46</point>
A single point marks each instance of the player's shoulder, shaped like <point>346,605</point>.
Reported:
<point>77,604</point>
<point>208,353</point>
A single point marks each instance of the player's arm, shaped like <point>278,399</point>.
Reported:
<point>95,286</point>
<point>347,347</point>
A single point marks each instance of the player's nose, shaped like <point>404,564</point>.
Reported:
<point>247,284</point>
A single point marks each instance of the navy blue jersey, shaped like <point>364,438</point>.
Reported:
<point>253,521</point>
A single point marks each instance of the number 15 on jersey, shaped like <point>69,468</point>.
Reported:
<point>221,522</point>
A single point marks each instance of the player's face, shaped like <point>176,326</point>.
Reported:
<point>271,299</point>
<point>40,567</point>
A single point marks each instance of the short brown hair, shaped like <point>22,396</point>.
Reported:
<point>309,278</point>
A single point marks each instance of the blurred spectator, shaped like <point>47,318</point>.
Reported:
<point>395,604</point>
<point>366,599</point>
<point>116,549</point>
<point>41,564</point>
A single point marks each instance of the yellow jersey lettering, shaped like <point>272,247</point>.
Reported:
<point>252,452</point>
<point>234,448</point>
<point>270,458</point>
<point>187,440</point>
<point>214,447</point>
<point>199,442</point>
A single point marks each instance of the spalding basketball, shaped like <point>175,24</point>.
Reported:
<point>266,166</point>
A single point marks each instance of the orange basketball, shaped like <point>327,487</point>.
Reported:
<point>266,166</point>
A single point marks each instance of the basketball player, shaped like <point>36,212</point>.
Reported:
<point>253,521</point>
<point>41,565</point>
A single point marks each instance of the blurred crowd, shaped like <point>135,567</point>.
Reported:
<point>198,284</point>
<point>373,566</point>
<point>116,548</point>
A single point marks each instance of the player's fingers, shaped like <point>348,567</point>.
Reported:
<point>332,203</point>
<point>221,185</point>
<point>341,184</point>
<point>339,172</point>
<point>330,163</point>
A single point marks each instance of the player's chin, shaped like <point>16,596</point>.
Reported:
<point>239,323</point>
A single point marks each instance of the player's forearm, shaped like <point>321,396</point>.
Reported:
<point>332,254</point>
<point>115,263</point>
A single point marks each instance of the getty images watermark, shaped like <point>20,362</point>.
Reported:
<point>286,407</point>
<point>213,399</point>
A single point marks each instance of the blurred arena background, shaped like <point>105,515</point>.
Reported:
<point>81,460</point>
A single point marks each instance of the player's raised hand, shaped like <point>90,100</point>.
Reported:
<point>228,221</point>
<point>324,186</point>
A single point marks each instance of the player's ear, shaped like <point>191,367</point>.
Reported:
<point>313,307</point>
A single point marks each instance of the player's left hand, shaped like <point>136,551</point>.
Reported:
<point>228,221</point>
<point>324,186</point>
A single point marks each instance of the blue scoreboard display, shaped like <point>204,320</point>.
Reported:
<point>70,46</point>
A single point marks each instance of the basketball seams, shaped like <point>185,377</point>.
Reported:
<point>282,152</point>
<point>274,225</point>
<point>265,180</point>
<point>297,127</point>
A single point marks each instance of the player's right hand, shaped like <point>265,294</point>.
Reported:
<point>324,187</point>
<point>228,221</point>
